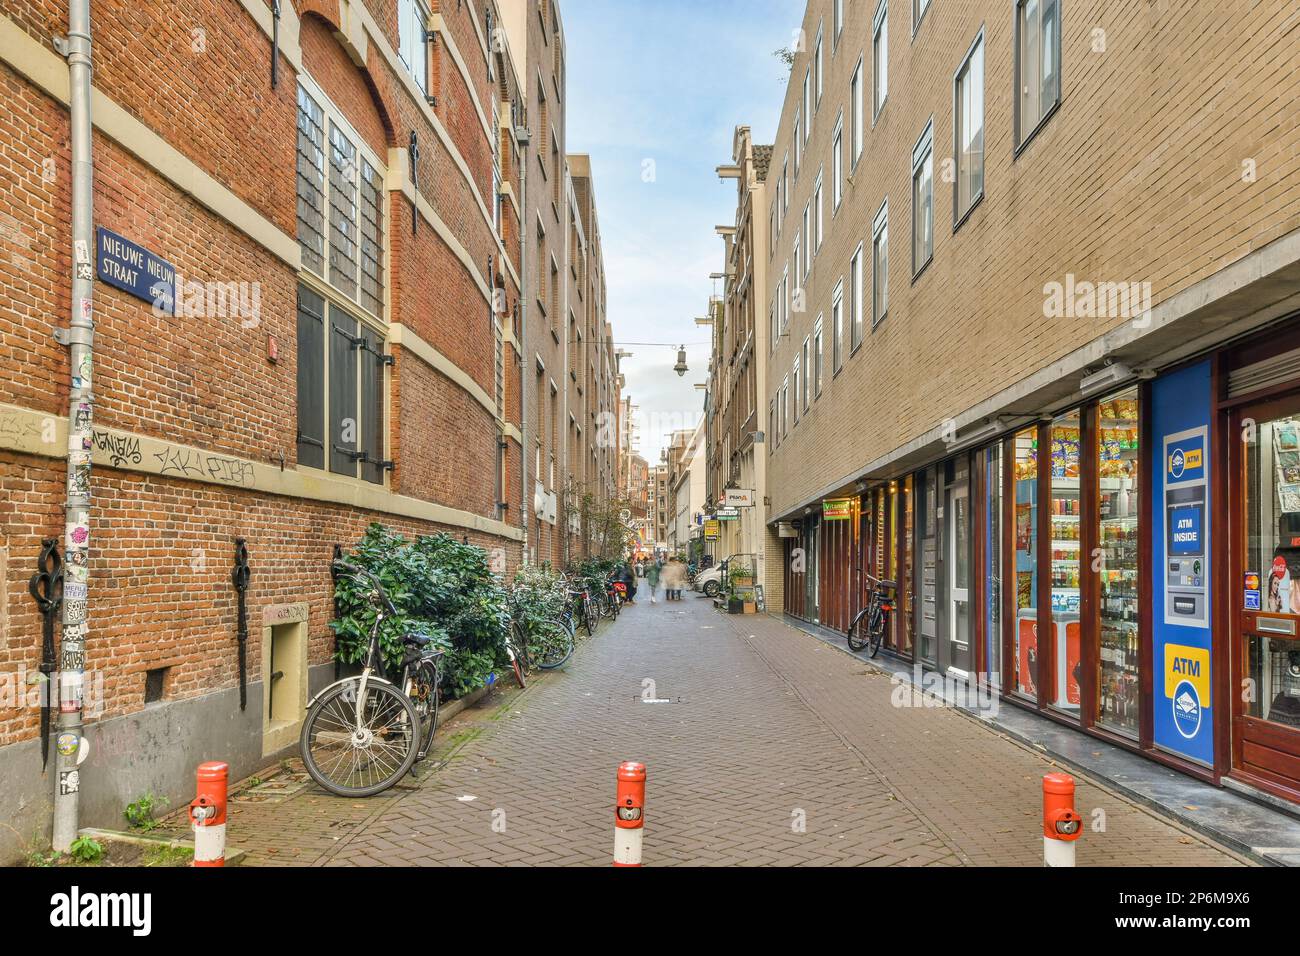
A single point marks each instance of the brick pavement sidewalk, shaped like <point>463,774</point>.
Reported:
<point>764,747</point>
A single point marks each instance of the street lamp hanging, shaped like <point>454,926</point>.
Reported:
<point>680,367</point>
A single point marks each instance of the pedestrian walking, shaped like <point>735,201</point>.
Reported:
<point>674,579</point>
<point>652,572</point>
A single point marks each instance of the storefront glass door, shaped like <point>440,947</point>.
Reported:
<point>1023,564</point>
<point>1119,653</point>
<point>1061,684</point>
<point>1268,732</point>
<point>955,654</point>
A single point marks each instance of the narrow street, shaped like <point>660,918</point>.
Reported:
<point>763,745</point>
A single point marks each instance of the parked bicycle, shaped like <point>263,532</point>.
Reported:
<point>363,734</point>
<point>870,624</point>
<point>547,643</point>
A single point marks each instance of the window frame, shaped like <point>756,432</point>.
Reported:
<point>960,215</point>
<point>837,327</point>
<point>919,9</point>
<point>818,356</point>
<point>837,164</point>
<point>857,327</point>
<point>417,7</point>
<point>1020,137</point>
<point>879,226</point>
<point>923,158</point>
<point>879,63</point>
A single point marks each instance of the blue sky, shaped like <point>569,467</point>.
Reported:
<point>667,82</point>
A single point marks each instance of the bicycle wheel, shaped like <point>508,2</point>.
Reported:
<point>554,645</point>
<point>424,694</point>
<point>857,636</point>
<point>518,658</point>
<point>878,627</point>
<point>360,758</point>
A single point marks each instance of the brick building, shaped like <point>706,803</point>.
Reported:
<point>1026,416</point>
<point>738,366</point>
<point>352,248</point>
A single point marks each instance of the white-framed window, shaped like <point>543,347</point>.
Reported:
<point>412,28</point>
<point>879,60</point>
<point>807,347</point>
<point>785,187</point>
<point>1038,64</point>
<point>968,131</point>
<point>856,115</point>
<point>923,200</point>
<point>341,362</point>
<point>798,255</point>
<point>794,376</point>
<point>839,23</point>
<point>818,68</point>
<point>808,242</point>
<point>785,296</point>
<point>785,406</point>
<point>798,142</point>
<point>818,214</point>
<point>817,358</point>
<point>837,163</point>
<point>918,12</point>
<point>880,265</point>
<point>855,297</point>
<point>807,97</point>
<point>837,326</point>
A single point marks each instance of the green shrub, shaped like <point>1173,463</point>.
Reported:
<point>86,850</point>
<point>442,589</point>
<point>142,814</point>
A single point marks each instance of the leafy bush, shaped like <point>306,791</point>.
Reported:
<point>86,850</point>
<point>142,814</point>
<point>595,572</point>
<point>442,589</point>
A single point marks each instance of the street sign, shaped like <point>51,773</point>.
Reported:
<point>728,514</point>
<point>135,270</point>
<point>711,530</point>
<point>739,498</point>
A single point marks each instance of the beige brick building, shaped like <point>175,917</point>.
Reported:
<point>1068,227</point>
<point>737,366</point>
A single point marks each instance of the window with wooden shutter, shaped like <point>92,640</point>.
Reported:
<point>311,379</point>
<point>344,427</point>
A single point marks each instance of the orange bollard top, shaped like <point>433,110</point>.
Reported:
<point>213,772</point>
<point>1060,820</point>
<point>629,804</point>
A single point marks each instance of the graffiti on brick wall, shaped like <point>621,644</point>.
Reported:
<point>121,449</point>
<point>189,463</point>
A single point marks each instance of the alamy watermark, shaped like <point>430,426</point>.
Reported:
<point>1082,299</point>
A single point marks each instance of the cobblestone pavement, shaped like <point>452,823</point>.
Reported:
<point>764,746</point>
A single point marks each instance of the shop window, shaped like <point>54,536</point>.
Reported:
<point>1117,510</point>
<point>1062,686</point>
<point>1273,552</point>
<point>1024,564</point>
<point>905,579</point>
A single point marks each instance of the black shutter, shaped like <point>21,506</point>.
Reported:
<point>372,406</point>
<point>344,427</point>
<point>311,379</point>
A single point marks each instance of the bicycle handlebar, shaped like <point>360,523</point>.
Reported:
<point>342,567</point>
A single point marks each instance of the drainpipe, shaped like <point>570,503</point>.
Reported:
<point>79,338</point>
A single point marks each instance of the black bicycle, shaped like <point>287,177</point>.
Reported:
<point>363,734</point>
<point>869,626</point>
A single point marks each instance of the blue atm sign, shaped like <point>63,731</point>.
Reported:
<point>1187,460</point>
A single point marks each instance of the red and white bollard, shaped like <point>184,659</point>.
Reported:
<point>629,814</point>
<point>208,814</point>
<point>1062,825</point>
